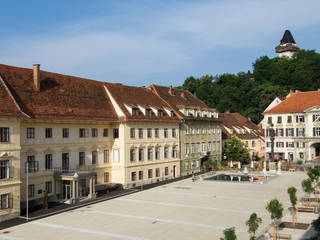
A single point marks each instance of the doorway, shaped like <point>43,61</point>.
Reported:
<point>174,171</point>
<point>66,190</point>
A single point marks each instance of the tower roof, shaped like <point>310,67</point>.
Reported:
<point>287,38</point>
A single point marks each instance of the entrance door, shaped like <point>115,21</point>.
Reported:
<point>317,151</point>
<point>66,191</point>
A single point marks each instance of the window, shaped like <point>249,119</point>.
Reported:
<point>149,173</point>
<point>30,132</point>
<point>209,130</point>
<point>156,132</point>
<point>4,134</point>
<point>150,153</point>
<point>160,113</point>
<point>105,132</point>
<point>94,157</point>
<point>165,133</point>
<point>140,132</point>
<point>289,132</point>
<point>48,132</point>
<point>5,201</point>
<point>299,118</point>
<point>203,131</point>
<point>31,190</point>
<point>135,112</point>
<point>132,132</point>
<point>192,148</point>
<point>157,153</point>
<point>149,112</point>
<point>132,155</point>
<point>187,148</point>
<point>279,132</point>
<point>174,152</point>
<point>213,146</point>
<point>157,172</point>
<point>270,120</point>
<point>106,177</point>
<point>141,154</point>
<point>65,161</point>
<point>301,155</point>
<point>187,165</point>
<point>4,169</point>
<point>32,164</point>
<point>253,143</point>
<point>316,131</point>
<point>247,144</point>
<point>166,171</point>
<point>279,119</point>
<point>289,120</point>
<point>116,133</point>
<point>290,144</point>
<point>82,159</point>
<point>94,132</point>
<point>300,132</point>
<point>106,156</point>
<point>65,132</point>
<point>280,144</point>
<point>133,176</point>
<point>316,118</point>
<point>149,133</point>
<point>192,130</point>
<point>209,146</point>
<point>49,187</point>
<point>48,163</point>
<point>166,152</point>
<point>140,175</point>
<point>83,132</point>
<point>174,132</point>
<point>198,130</point>
<point>203,148</point>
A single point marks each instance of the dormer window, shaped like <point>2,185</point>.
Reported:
<point>148,112</point>
<point>160,113</point>
<point>172,114</point>
<point>210,114</point>
<point>198,114</point>
<point>135,112</point>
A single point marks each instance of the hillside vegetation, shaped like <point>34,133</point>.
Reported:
<point>250,93</point>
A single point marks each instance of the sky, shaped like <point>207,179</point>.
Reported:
<point>143,42</point>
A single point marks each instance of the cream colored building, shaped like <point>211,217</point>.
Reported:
<point>67,138</point>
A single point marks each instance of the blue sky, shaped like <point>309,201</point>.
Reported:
<point>140,42</point>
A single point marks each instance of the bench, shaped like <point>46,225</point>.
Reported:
<point>280,236</point>
<point>306,209</point>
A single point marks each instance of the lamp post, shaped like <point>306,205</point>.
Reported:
<point>272,137</point>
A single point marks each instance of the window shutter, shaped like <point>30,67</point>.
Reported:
<point>314,132</point>
<point>297,144</point>
<point>313,118</point>
<point>296,131</point>
<point>286,132</point>
<point>277,132</point>
<point>304,144</point>
<point>303,131</point>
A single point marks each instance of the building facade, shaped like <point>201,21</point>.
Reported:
<point>200,130</point>
<point>250,134</point>
<point>296,121</point>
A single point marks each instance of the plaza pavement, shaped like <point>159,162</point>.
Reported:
<point>180,210</point>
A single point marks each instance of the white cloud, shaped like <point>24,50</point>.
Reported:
<point>160,42</point>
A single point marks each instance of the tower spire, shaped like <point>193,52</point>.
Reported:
<point>287,46</point>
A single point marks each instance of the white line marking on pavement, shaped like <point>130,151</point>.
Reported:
<point>240,190</point>
<point>84,230</point>
<point>209,195</point>
<point>10,238</point>
<point>161,220</point>
<point>190,206</point>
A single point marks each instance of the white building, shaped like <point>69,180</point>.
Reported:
<point>296,121</point>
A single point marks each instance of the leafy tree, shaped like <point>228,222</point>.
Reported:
<point>250,93</point>
<point>307,187</point>
<point>316,226</point>
<point>292,191</point>
<point>229,234</point>
<point>253,223</point>
<point>235,150</point>
<point>275,209</point>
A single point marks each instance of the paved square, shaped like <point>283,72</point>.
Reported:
<point>181,210</point>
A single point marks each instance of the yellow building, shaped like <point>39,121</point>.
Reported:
<point>64,138</point>
<point>200,129</point>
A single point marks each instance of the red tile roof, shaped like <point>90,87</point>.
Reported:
<point>139,96</point>
<point>60,96</point>
<point>178,98</point>
<point>236,120</point>
<point>297,102</point>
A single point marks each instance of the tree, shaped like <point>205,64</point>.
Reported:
<point>235,150</point>
<point>229,234</point>
<point>314,175</point>
<point>292,191</point>
<point>275,209</point>
<point>253,223</point>
<point>316,226</point>
<point>307,188</point>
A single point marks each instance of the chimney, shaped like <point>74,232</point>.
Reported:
<point>36,76</point>
<point>171,92</point>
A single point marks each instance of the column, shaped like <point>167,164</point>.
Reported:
<point>73,189</point>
